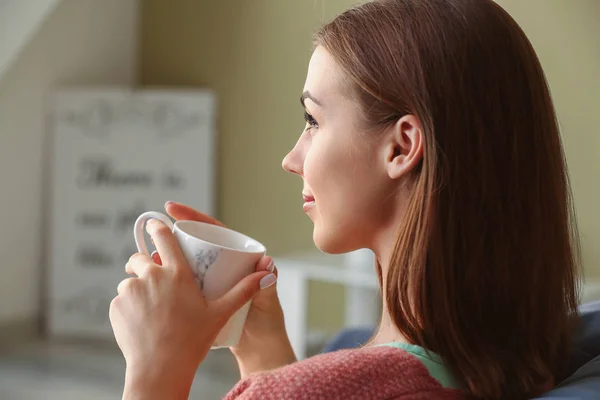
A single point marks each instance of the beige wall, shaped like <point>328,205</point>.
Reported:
<point>254,55</point>
<point>81,42</point>
<point>19,21</point>
<point>566,35</point>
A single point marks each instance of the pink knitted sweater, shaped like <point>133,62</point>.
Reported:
<point>367,373</point>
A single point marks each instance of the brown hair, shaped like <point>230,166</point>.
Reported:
<point>485,266</point>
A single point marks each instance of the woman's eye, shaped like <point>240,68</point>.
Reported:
<point>310,120</point>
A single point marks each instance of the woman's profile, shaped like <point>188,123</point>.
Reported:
<point>431,139</point>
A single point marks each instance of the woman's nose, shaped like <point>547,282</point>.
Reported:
<point>291,162</point>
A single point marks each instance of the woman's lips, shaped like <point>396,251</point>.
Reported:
<point>309,202</point>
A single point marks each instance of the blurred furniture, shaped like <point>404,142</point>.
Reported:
<point>354,271</point>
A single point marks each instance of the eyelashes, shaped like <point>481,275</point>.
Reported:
<point>312,122</point>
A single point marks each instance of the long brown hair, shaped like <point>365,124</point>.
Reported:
<point>485,266</point>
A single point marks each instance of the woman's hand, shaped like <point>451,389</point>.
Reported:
<point>162,323</point>
<point>264,343</point>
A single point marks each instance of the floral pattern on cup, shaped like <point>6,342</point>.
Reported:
<point>204,259</point>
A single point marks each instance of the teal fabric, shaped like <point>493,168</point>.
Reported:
<point>433,362</point>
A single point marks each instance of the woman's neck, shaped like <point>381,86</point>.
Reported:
<point>387,331</point>
<point>383,246</point>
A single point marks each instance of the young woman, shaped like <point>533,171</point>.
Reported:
<point>431,139</point>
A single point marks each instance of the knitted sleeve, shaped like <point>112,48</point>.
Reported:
<point>368,373</point>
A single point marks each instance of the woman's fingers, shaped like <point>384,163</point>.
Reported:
<point>182,212</point>
<point>138,264</point>
<point>166,244</point>
<point>241,293</point>
<point>125,284</point>
<point>266,263</point>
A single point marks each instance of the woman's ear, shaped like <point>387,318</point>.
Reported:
<point>404,147</point>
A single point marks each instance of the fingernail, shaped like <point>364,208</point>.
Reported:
<point>267,281</point>
<point>271,266</point>
<point>153,254</point>
<point>169,203</point>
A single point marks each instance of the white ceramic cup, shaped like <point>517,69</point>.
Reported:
<point>219,258</point>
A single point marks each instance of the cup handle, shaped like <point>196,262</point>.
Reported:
<point>140,223</point>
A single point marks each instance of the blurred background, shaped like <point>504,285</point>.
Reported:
<point>250,59</point>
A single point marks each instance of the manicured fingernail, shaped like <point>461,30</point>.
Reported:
<point>169,203</point>
<point>271,266</point>
<point>154,253</point>
<point>267,281</point>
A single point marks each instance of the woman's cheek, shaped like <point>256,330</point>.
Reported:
<point>311,168</point>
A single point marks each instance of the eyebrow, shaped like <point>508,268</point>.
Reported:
<point>307,95</point>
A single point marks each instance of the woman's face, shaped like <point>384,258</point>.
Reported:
<point>347,187</point>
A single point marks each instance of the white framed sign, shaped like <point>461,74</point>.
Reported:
<point>115,154</point>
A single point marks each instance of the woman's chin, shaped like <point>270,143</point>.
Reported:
<point>332,242</point>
